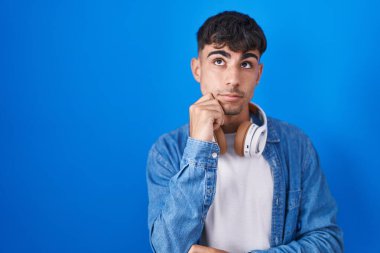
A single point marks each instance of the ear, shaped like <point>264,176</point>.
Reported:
<point>196,69</point>
<point>261,67</point>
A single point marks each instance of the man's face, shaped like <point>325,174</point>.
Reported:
<point>230,76</point>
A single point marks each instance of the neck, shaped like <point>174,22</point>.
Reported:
<point>232,122</point>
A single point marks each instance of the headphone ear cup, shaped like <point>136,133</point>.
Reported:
<point>240,137</point>
<point>221,140</point>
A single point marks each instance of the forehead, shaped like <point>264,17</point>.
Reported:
<point>212,47</point>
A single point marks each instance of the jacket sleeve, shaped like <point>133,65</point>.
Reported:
<point>179,198</point>
<point>317,227</point>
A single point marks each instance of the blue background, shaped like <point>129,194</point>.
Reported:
<point>86,87</point>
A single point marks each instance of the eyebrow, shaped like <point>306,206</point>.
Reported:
<point>227,55</point>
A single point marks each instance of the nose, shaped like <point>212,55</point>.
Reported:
<point>232,76</point>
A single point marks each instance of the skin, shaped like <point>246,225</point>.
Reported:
<point>221,71</point>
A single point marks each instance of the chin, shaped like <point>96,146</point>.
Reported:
<point>231,109</point>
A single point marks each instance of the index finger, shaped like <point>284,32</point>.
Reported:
<point>206,97</point>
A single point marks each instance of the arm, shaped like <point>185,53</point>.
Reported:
<point>179,198</point>
<point>318,230</point>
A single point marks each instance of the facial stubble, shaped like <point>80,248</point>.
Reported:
<point>232,111</point>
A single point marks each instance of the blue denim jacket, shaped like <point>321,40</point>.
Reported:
<point>181,180</point>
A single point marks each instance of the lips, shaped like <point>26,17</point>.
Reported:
<point>230,97</point>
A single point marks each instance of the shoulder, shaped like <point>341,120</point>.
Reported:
<point>287,132</point>
<point>173,138</point>
<point>169,146</point>
<point>293,140</point>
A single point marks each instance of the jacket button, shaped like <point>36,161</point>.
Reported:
<point>214,155</point>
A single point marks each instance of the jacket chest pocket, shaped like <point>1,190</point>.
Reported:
<point>291,214</point>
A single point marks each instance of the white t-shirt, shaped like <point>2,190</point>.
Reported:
<point>239,219</point>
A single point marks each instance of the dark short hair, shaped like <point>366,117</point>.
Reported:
<point>236,30</point>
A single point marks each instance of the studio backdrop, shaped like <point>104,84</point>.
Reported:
<point>86,87</point>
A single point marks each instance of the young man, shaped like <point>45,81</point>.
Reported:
<point>251,198</point>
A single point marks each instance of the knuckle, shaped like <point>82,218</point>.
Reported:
<point>194,108</point>
<point>203,112</point>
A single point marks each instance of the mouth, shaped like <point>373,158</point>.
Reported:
<point>230,97</point>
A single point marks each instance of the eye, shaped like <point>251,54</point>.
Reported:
<point>219,62</point>
<point>246,65</point>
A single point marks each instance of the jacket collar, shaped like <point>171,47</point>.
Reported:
<point>273,135</point>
